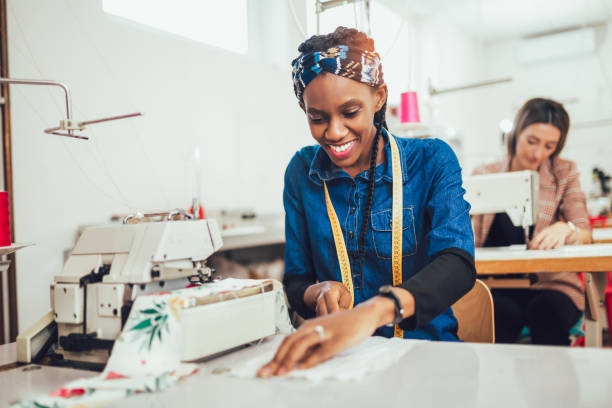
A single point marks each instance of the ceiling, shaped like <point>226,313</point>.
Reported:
<point>493,20</point>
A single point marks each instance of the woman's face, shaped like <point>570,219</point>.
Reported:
<point>340,114</point>
<point>535,144</point>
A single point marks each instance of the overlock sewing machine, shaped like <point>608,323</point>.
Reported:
<point>109,267</point>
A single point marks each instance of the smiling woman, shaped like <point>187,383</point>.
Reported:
<point>372,221</point>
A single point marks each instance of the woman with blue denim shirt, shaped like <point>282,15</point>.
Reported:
<point>345,185</point>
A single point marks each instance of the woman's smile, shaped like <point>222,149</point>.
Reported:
<point>341,151</point>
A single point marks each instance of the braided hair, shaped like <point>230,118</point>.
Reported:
<point>354,38</point>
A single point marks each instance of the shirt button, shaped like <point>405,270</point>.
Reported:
<point>350,234</point>
<point>352,211</point>
<point>356,196</point>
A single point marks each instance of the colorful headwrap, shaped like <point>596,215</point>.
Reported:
<point>349,62</point>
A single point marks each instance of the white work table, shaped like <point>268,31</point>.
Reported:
<point>570,258</point>
<point>252,236</point>
<point>589,259</point>
<point>431,374</point>
<point>602,235</point>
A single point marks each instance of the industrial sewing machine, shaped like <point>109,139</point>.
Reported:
<point>111,265</point>
<point>515,193</point>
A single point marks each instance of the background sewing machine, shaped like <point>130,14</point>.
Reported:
<point>109,267</point>
<point>515,193</point>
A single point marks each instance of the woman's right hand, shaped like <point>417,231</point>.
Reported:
<point>327,297</point>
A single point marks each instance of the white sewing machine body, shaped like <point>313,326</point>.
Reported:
<point>111,265</point>
<point>515,193</point>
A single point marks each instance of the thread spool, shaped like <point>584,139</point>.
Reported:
<point>409,108</point>
<point>5,222</point>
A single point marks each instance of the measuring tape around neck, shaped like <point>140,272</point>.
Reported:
<point>396,230</point>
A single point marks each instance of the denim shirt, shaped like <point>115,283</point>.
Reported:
<point>435,217</point>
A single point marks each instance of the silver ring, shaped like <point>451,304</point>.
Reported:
<point>320,331</point>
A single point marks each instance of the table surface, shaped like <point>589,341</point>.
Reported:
<point>8,354</point>
<point>518,252</point>
<point>517,259</point>
<point>430,374</point>
<point>254,236</point>
<point>602,233</point>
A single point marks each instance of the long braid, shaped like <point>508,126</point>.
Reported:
<point>353,37</point>
<point>379,118</point>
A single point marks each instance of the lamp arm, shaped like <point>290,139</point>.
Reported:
<point>44,82</point>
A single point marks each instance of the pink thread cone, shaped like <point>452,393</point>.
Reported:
<point>409,109</point>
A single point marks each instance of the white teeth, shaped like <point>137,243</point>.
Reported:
<point>342,148</point>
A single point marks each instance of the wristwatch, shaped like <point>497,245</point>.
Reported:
<point>386,291</point>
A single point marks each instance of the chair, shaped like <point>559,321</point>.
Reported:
<point>474,313</point>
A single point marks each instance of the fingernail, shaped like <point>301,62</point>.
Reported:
<point>264,372</point>
<point>282,371</point>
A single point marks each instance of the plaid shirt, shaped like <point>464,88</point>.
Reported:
<point>560,199</point>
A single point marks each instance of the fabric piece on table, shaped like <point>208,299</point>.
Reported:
<point>356,363</point>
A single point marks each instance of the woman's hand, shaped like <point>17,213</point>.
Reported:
<point>318,339</point>
<point>552,237</point>
<point>327,297</point>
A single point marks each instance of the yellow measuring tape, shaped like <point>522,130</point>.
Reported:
<point>396,231</point>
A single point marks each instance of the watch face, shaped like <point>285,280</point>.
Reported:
<point>385,289</point>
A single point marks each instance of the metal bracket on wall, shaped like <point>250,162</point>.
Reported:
<point>67,125</point>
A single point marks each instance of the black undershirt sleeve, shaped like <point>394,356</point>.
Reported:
<point>295,287</point>
<point>438,285</point>
<point>435,287</point>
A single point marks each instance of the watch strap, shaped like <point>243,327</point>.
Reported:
<point>399,312</point>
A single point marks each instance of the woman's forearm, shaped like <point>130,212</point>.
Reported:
<point>584,236</point>
<point>578,235</point>
<point>384,308</point>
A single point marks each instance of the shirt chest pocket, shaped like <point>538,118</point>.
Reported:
<point>381,233</point>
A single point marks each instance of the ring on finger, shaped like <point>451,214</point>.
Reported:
<point>320,331</point>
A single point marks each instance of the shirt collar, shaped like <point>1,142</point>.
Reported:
<point>323,169</point>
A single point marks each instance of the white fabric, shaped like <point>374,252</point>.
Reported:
<point>356,363</point>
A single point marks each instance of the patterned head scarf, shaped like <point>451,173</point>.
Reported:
<point>349,62</point>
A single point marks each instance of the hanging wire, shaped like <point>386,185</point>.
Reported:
<point>30,55</point>
<point>60,110</point>
<point>296,21</point>
<point>129,100</point>
<point>397,36</point>
<point>72,156</point>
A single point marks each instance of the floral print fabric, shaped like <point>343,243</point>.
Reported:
<point>146,355</point>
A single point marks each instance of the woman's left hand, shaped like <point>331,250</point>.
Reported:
<point>319,339</point>
<point>551,237</point>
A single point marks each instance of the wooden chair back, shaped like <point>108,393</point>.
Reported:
<point>474,313</point>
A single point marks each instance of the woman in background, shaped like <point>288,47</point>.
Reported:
<point>555,301</point>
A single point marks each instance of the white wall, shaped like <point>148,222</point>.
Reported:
<point>449,57</point>
<point>582,82</point>
<point>240,110</point>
